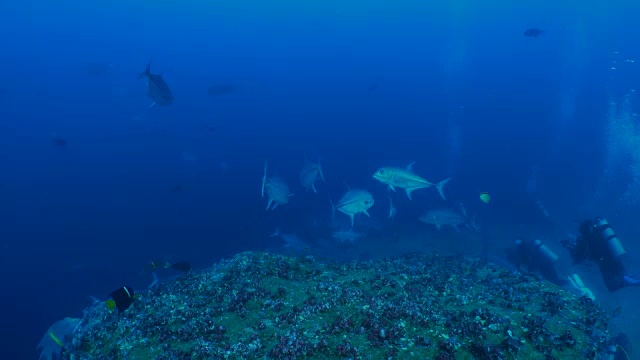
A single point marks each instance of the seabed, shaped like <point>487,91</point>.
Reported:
<point>415,306</point>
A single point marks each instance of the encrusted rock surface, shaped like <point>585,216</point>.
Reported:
<point>422,306</point>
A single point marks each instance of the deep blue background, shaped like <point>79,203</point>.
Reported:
<point>81,221</point>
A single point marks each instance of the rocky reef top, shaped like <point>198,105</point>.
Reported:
<point>264,305</point>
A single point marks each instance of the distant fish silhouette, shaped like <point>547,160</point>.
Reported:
<point>59,141</point>
<point>209,128</point>
<point>533,32</point>
<point>221,89</point>
<point>98,69</point>
<point>157,88</point>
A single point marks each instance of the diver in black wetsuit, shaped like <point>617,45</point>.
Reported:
<point>598,242</point>
<point>619,347</point>
<point>536,257</point>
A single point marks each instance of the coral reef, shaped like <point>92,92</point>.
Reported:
<point>263,305</point>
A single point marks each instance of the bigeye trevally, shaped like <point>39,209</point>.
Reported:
<point>309,174</point>
<point>406,179</point>
<point>353,202</point>
<point>157,88</point>
<point>276,189</point>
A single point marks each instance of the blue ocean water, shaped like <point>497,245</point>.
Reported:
<point>454,87</point>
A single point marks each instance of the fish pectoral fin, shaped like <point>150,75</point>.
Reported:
<point>409,190</point>
<point>366,213</point>
<point>152,104</point>
<point>352,219</point>
<point>391,187</point>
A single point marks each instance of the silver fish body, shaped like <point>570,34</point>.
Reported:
<point>157,88</point>
<point>309,174</point>
<point>444,217</point>
<point>354,202</point>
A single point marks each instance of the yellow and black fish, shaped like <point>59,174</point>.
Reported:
<point>121,298</point>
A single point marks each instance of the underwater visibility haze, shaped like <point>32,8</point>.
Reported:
<point>254,157</point>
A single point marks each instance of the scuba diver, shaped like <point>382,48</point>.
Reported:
<point>619,347</point>
<point>598,242</point>
<point>536,257</point>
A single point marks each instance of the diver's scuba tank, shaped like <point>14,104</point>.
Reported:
<point>544,250</point>
<point>604,230</point>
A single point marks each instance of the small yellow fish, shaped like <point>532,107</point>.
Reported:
<point>485,197</point>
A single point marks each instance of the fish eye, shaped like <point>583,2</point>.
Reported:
<point>381,172</point>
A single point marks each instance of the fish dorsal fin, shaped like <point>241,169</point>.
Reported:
<point>410,166</point>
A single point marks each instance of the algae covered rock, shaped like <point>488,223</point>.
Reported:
<point>422,306</point>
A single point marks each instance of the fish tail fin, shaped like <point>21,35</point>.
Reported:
<point>146,72</point>
<point>333,211</point>
<point>275,233</point>
<point>264,178</point>
<point>473,222</point>
<point>440,187</point>
<point>320,168</point>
